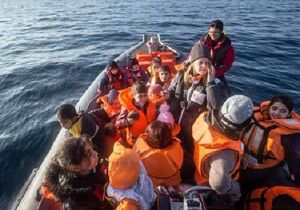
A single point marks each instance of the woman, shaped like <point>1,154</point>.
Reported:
<point>193,91</point>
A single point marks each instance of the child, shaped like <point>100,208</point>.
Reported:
<point>92,124</point>
<point>156,95</point>
<point>74,178</point>
<point>165,160</point>
<point>136,113</point>
<point>111,78</point>
<point>135,73</point>
<point>166,116</point>
<point>111,104</point>
<point>153,68</point>
<point>129,185</point>
<point>164,77</point>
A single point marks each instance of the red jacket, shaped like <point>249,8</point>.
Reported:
<point>222,54</point>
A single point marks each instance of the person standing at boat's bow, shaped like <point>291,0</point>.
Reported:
<point>221,50</point>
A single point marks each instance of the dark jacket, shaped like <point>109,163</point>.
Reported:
<point>189,103</point>
<point>75,191</point>
<point>180,98</point>
<point>109,81</point>
<point>222,53</point>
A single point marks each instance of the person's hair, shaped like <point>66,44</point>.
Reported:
<point>66,111</point>
<point>191,73</point>
<point>139,87</point>
<point>71,152</point>
<point>218,24</point>
<point>164,68</point>
<point>159,135</point>
<point>112,64</point>
<point>286,100</point>
<point>156,60</point>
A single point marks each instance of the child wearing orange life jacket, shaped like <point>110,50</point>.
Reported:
<point>74,178</point>
<point>111,78</point>
<point>129,186</point>
<point>111,104</point>
<point>166,162</point>
<point>96,124</point>
<point>136,113</point>
<point>135,73</point>
<point>166,116</point>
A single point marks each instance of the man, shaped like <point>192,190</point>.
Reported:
<point>221,50</point>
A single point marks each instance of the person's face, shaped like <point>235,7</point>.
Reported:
<point>155,65</point>
<point>135,67</point>
<point>89,162</point>
<point>214,33</point>
<point>164,76</point>
<point>141,98</point>
<point>65,123</point>
<point>114,71</point>
<point>201,66</point>
<point>278,111</point>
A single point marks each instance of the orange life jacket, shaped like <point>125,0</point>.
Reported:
<point>109,109</point>
<point>207,142</point>
<point>141,124</point>
<point>262,139</point>
<point>262,198</point>
<point>162,165</point>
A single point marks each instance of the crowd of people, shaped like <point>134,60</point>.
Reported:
<point>155,129</point>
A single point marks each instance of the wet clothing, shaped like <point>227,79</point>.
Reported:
<point>216,154</point>
<point>191,101</point>
<point>109,81</point>
<point>75,191</point>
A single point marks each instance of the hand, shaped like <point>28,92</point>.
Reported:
<point>133,115</point>
<point>211,73</point>
<point>165,94</point>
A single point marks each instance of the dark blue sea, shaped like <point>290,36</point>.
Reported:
<point>51,50</point>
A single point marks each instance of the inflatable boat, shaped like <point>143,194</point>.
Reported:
<point>29,197</point>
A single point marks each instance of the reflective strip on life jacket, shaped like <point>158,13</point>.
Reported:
<point>262,138</point>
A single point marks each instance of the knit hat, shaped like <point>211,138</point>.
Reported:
<point>199,50</point>
<point>236,110</point>
<point>132,62</point>
<point>218,24</point>
<point>165,115</point>
<point>112,95</point>
<point>123,167</point>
